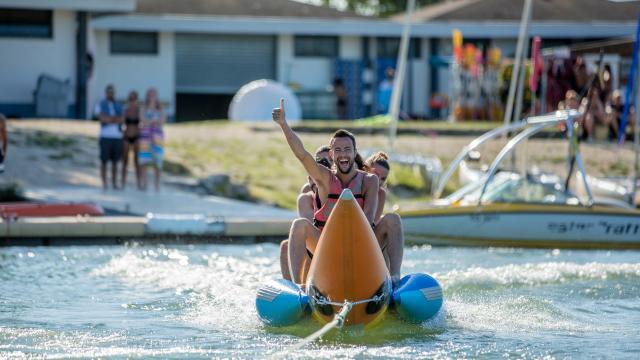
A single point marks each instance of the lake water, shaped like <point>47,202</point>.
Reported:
<point>198,302</point>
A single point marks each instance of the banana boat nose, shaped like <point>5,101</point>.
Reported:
<point>348,265</point>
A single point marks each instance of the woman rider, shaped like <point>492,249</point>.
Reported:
<point>388,227</point>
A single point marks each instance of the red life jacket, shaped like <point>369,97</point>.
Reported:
<point>321,215</point>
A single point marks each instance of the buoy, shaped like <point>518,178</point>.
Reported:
<point>281,302</point>
<point>418,297</point>
<point>348,265</point>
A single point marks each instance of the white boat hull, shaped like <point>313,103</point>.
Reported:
<point>525,225</point>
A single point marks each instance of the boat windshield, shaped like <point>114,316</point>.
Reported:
<point>509,187</point>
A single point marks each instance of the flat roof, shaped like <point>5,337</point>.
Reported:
<point>543,10</point>
<point>353,27</point>
<point>76,5</point>
<point>251,8</point>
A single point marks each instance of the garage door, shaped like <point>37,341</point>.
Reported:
<point>221,64</point>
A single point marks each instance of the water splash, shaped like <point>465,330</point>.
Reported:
<point>536,274</point>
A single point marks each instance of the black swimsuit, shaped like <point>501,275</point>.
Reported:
<point>132,121</point>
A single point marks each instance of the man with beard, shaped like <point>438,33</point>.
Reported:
<point>304,234</point>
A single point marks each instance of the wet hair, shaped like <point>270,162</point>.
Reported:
<point>381,158</point>
<point>342,133</point>
<point>147,98</point>
<point>359,162</point>
<point>132,93</point>
<point>323,148</point>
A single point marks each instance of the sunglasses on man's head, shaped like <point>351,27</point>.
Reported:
<point>324,162</point>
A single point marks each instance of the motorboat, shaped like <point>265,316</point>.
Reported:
<point>505,208</point>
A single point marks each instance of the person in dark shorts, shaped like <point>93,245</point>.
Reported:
<point>110,114</point>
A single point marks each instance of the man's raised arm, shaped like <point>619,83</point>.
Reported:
<point>318,173</point>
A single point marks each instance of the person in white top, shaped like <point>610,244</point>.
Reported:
<point>110,114</point>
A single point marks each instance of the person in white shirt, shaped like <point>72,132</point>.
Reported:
<point>110,114</point>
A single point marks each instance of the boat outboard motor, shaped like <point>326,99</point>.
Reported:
<point>418,297</point>
<point>281,303</point>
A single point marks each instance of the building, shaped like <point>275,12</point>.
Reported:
<point>46,37</point>
<point>495,23</point>
<point>197,53</point>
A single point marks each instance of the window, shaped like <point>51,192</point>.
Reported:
<point>316,46</point>
<point>26,23</point>
<point>388,48</point>
<point>131,42</point>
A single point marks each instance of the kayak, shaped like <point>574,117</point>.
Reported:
<point>32,209</point>
<point>348,269</point>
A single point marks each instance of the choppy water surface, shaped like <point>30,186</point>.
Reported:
<point>198,301</point>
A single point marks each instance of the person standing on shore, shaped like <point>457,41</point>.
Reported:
<point>131,135</point>
<point>152,118</point>
<point>5,141</point>
<point>109,112</point>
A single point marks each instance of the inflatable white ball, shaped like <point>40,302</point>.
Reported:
<point>255,101</point>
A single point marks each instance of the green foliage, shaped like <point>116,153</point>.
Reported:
<point>619,168</point>
<point>266,167</point>
<point>64,154</point>
<point>406,177</point>
<point>49,140</point>
<point>380,8</point>
<point>175,168</point>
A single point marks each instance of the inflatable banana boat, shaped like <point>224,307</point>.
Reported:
<point>348,268</point>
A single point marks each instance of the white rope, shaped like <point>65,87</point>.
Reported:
<point>337,322</point>
<point>323,301</point>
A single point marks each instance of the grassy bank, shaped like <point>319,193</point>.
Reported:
<point>257,156</point>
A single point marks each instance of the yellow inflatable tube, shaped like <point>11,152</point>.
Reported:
<point>348,265</point>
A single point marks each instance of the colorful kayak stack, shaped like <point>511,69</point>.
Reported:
<point>348,268</point>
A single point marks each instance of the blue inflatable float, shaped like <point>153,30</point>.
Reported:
<point>417,298</point>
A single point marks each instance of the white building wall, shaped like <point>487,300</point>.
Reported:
<point>23,60</point>
<point>284,58</point>
<point>135,72</point>
<point>420,80</point>
<point>312,73</point>
<point>350,47</point>
<point>305,73</point>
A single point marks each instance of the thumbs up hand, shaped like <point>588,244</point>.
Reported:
<point>278,113</point>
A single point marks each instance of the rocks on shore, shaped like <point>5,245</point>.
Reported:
<point>221,185</point>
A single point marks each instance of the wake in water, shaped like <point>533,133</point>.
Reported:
<point>221,293</point>
<point>198,301</point>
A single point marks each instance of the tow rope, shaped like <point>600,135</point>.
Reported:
<point>337,322</point>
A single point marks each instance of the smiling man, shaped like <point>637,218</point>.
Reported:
<point>304,234</point>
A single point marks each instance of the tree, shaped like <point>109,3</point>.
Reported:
<point>381,8</point>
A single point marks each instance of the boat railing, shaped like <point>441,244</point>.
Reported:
<point>533,126</point>
<point>554,117</point>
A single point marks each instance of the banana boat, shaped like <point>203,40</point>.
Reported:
<point>348,268</point>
